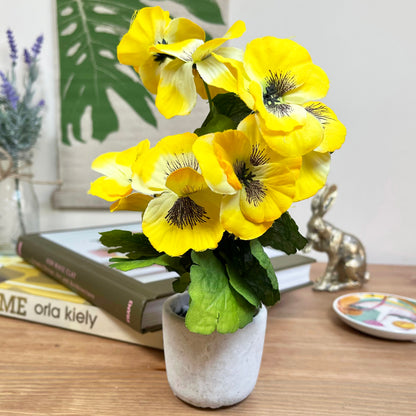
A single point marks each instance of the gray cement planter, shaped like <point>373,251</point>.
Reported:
<point>211,370</point>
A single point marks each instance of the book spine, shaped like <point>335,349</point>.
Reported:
<point>83,318</point>
<point>100,285</point>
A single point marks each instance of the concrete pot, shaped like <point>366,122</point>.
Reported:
<point>211,370</point>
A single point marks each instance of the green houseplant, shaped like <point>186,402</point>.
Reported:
<point>213,198</point>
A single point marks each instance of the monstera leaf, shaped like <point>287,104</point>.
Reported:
<point>88,37</point>
<point>89,32</point>
<point>206,10</point>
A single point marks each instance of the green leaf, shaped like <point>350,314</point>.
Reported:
<point>182,283</point>
<point>249,269</point>
<point>136,245</point>
<point>88,36</point>
<point>284,235</point>
<point>215,122</point>
<point>264,261</point>
<point>232,106</point>
<point>128,264</point>
<point>206,10</point>
<point>251,272</point>
<point>242,285</point>
<point>214,304</point>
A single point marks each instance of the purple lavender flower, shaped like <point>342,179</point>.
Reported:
<point>8,91</point>
<point>41,103</point>
<point>12,45</point>
<point>28,58</point>
<point>37,46</point>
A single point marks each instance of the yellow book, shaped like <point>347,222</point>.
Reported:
<point>29,294</point>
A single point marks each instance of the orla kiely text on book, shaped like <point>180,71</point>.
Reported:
<point>28,294</point>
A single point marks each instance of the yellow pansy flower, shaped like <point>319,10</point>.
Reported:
<point>276,78</point>
<point>176,93</point>
<point>152,26</point>
<point>117,170</point>
<point>185,214</point>
<point>115,185</point>
<point>258,184</point>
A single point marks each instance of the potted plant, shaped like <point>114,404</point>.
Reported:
<point>212,199</point>
<point>20,124</point>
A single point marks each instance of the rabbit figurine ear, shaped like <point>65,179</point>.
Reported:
<point>324,199</point>
<point>328,198</point>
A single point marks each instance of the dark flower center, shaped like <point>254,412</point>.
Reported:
<point>185,212</point>
<point>181,160</point>
<point>258,156</point>
<point>320,112</point>
<point>161,57</point>
<point>255,190</point>
<point>277,85</point>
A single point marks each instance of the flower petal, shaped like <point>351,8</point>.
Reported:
<point>185,181</point>
<point>269,195</point>
<point>181,28</point>
<point>250,128</point>
<point>334,130</point>
<point>268,56</point>
<point>117,165</point>
<point>217,74</point>
<point>280,117</point>
<point>176,94</point>
<point>297,142</point>
<point>169,154</point>
<point>175,230</point>
<point>238,70</point>
<point>313,174</point>
<point>236,223</point>
<point>203,51</point>
<point>109,189</point>
<point>200,87</point>
<point>182,50</point>
<point>132,202</point>
<point>147,28</point>
<point>149,73</point>
<point>218,173</point>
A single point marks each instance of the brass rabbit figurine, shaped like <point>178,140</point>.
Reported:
<point>347,265</point>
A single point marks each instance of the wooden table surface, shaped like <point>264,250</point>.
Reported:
<point>313,364</point>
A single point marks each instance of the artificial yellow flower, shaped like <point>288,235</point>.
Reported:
<point>185,214</point>
<point>258,184</point>
<point>276,78</point>
<point>176,93</point>
<point>117,168</point>
<point>152,26</point>
<point>116,184</point>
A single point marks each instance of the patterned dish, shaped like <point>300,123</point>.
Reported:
<point>379,314</point>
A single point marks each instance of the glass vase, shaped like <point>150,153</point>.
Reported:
<point>19,207</point>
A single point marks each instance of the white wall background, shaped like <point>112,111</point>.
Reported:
<point>367,49</point>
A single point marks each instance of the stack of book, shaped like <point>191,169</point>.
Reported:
<point>29,294</point>
<point>63,279</point>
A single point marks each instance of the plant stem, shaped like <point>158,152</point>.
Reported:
<point>210,102</point>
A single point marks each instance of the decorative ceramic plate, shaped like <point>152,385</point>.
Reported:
<point>379,314</point>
